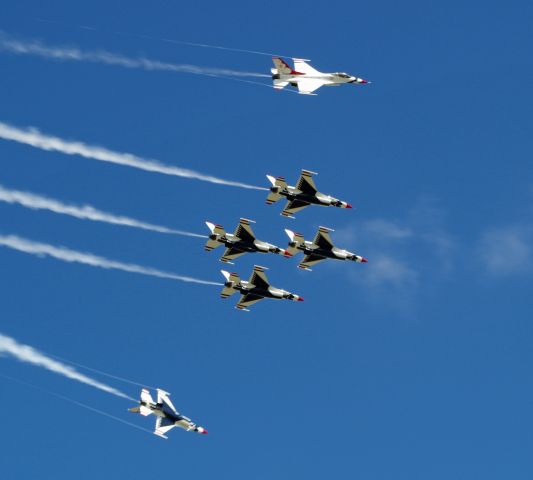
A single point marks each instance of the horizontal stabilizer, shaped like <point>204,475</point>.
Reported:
<point>231,277</point>
<point>216,229</point>
<point>272,197</point>
<point>217,233</point>
<point>144,411</point>
<point>232,280</point>
<point>146,397</point>
<point>277,181</point>
<point>296,240</point>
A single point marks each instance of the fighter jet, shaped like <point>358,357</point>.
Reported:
<point>238,243</point>
<point>319,249</point>
<point>255,289</point>
<point>167,415</point>
<point>306,78</point>
<point>301,196</point>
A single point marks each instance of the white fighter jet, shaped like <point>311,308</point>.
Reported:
<point>306,78</point>
<point>255,289</point>
<point>238,243</point>
<point>302,195</point>
<point>167,415</point>
<point>319,249</point>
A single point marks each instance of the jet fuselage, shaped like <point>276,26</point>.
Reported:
<point>231,241</point>
<point>271,292</point>
<point>309,248</point>
<point>163,411</point>
<point>327,79</point>
<point>293,193</point>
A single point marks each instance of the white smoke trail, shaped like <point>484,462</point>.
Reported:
<point>86,212</point>
<point>73,256</point>
<point>34,138</point>
<point>25,353</point>
<point>35,48</point>
<point>75,402</point>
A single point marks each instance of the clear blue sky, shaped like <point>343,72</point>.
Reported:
<point>415,365</point>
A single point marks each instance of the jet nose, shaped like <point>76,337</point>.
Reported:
<point>202,430</point>
<point>348,206</point>
<point>300,299</point>
<point>364,260</point>
<point>287,253</point>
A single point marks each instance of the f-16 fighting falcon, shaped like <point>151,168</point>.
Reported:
<point>255,289</point>
<point>319,249</point>
<point>240,242</point>
<point>306,78</point>
<point>300,196</point>
<point>167,415</point>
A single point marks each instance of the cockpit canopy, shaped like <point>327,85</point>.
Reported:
<point>343,75</point>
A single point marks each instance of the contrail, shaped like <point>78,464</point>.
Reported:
<point>75,402</point>
<point>38,49</point>
<point>203,45</point>
<point>100,372</point>
<point>73,256</point>
<point>167,40</point>
<point>85,212</point>
<point>34,138</point>
<point>27,354</point>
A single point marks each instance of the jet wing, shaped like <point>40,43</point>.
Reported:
<point>231,254</point>
<point>309,261</point>
<point>322,239</point>
<point>162,397</point>
<point>306,184</point>
<point>247,300</point>
<point>282,66</point>
<point>244,231</point>
<point>162,426</point>
<point>308,86</point>
<point>294,206</point>
<point>258,278</point>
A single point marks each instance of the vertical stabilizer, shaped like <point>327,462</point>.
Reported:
<point>295,240</point>
<point>216,238</point>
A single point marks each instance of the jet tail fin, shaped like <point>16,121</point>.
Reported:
<point>217,231</point>
<point>232,280</point>
<point>279,84</point>
<point>278,184</point>
<point>296,239</point>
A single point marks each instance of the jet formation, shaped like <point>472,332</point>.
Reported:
<point>243,240</point>
<point>304,77</point>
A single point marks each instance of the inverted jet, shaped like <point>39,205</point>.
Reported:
<point>255,289</point>
<point>306,78</point>
<point>238,243</point>
<point>302,195</point>
<point>167,415</point>
<point>319,249</point>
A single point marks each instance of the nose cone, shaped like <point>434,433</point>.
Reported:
<point>364,260</point>
<point>287,253</point>
<point>300,299</point>
<point>202,430</point>
<point>348,206</point>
